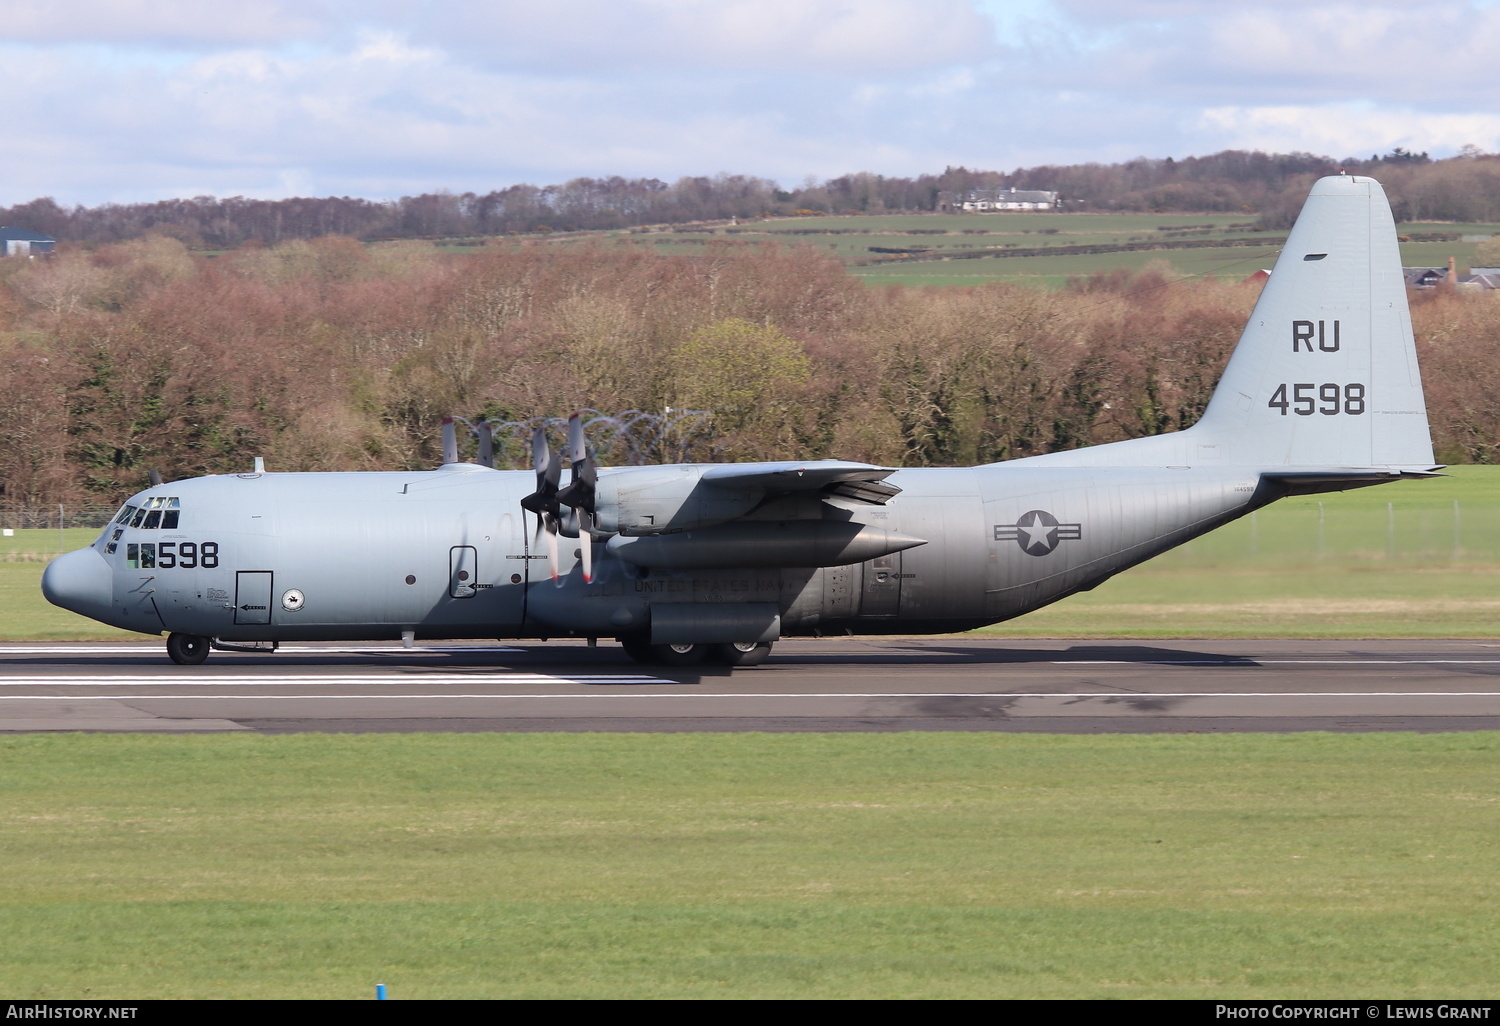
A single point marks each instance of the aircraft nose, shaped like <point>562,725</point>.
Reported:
<point>79,581</point>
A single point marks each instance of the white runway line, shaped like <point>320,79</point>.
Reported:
<point>678,695</point>
<point>300,680</point>
<point>1251,662</point>
<point>146,648</point>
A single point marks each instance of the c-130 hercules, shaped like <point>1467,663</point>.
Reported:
<point>685,562</point>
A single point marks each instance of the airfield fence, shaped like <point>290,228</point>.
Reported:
<point>1306,533</point>
<point>53,518</point>
<point>1314,533</point>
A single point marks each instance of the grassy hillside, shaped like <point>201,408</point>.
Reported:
<point>944,246</point>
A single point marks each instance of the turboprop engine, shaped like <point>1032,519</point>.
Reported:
<point>700,516</point>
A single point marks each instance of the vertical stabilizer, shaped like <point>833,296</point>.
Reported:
<point>1325,373</point>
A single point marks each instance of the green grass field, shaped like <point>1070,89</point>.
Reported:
<point>24,614</point>
<point>907,865</point>
<point>850,238</point>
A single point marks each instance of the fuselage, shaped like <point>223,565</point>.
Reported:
<point>451,553</point>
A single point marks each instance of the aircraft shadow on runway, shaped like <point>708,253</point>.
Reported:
<point>928,653</point>
<point>609,660</point>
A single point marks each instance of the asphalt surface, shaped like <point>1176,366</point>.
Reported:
<point>951,683</point>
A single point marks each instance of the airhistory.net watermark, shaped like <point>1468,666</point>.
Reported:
<point>38,1010</point>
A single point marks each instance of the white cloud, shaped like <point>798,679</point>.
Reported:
<point>1349,130</point>
<point>1283,50</point>
<point>126,100</point>
<point>811,36</point>
<point>156,22</point>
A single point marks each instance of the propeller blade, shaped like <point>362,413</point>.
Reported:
<point>548,500</point>
<point>580,491</point>
<point>552,546</point>
<point>586,545</point>
<point>548,474</point>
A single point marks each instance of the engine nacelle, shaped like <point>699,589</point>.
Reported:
<point>654,500</point>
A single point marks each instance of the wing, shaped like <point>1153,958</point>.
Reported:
<point>744,514</point>
<point>860,482</point>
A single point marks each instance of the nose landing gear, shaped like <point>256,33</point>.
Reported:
<point>187,649</point>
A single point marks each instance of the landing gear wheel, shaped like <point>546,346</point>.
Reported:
<point>187,649</point>
<point>678,655</point>
<point>637,648</point>
<point>740,653</point>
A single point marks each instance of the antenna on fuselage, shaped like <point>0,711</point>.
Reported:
<point>154,476</point>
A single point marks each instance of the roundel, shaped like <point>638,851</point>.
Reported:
<point>1037,532</point>
<point>292,600</point>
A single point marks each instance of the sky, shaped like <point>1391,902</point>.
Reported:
<point>136,100</point>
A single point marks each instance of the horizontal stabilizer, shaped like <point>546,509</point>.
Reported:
<point>1310,482</point>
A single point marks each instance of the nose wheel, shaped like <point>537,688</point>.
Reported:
<point>187,649</point>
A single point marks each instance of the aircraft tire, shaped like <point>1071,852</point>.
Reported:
<point>678,655</point>
<point>740,653</point>
<point>187,649</point>
<point>637,648</point>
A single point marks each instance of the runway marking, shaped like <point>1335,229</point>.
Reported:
<point>146,648</point>
<point>244,680</point>
<point>1252,661</point>
<point>677,695</point>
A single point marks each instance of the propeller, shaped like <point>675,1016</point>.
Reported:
<point>548,500</point>
<point>579,494</point>
<point>543,502</point>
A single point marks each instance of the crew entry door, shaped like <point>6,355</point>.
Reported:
<point>462,560</point>
<point>252,597</point>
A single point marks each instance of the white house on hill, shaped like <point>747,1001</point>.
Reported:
<point>1006,199</point>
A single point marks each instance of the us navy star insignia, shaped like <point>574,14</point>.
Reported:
<point>1037,532</point>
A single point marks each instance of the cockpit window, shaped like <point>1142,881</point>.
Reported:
<point>157,511</point>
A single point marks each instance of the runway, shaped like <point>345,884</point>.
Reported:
<point>950,683</point>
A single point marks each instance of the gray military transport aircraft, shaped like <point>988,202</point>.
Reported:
<point>685,562</point>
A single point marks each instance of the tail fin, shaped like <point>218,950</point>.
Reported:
<point>1325,373</point>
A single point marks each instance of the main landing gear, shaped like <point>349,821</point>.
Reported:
<point>187,649</point>
<point>736,653</point>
